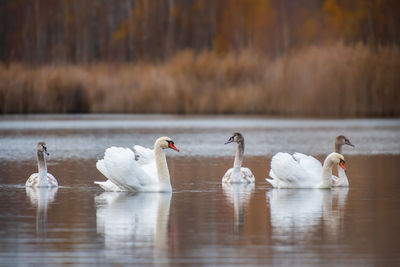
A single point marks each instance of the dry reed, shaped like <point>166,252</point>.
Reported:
<point>327,81</point>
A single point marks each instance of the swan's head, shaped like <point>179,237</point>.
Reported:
<point>236,137</point>
<point>41,147</point>
<point>342,140</point>
<point>336,158</point>
<point>166,142</point>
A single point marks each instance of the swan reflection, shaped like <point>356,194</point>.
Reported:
<point>133,223</point>
<point>41,197</point>
<point>239,196</point>
<point>297,214</point>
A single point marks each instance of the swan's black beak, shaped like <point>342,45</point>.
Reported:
<point>45,151</point>
<point>230,140</point>
<point>341,164</point>
<point>347,142</point>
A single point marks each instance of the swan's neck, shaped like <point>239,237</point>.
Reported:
<point>342,176</point>
<point>162,169</point>
<point>42,169</point>
<point>326,178</point>
<point>237,164</point>
<point>338,148</point>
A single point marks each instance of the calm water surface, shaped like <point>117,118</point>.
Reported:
<point>202,222</point>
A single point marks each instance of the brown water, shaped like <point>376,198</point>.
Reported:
<point>202,222</point>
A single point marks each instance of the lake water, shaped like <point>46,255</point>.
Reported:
<point>202,222</point>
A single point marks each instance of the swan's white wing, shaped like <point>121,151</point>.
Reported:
<point>102,168</point>
<point>123,169</point>
<point>144,156</point>
<point>109,186</point>
<point>310,164</point>
<point>274,181</point>
<point>290,173</point>
<point>146,159</point>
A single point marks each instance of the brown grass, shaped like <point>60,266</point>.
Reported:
<point>327,81</point>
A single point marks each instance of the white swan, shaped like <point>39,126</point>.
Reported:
<point>300,171</point>
<point>238,174</point>
<point>140,170</point>
<point>42,178</point>
<point>314,166</point>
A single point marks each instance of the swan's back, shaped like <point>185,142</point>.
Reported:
<point>121,167</point>
<point>246,176</point>
<point>33,180</point>
<point>146,159</point>
<point>143,155</point>
<point>293,171</point>
<point>309,163</point>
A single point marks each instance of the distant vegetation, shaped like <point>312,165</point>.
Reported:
<point>68,31</point>
<point>328,81</point>
<point>277,57</point>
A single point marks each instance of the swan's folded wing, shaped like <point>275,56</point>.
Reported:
<point>247,175</point>
<point>102,168</point>
<point>310,164</point>
<point>123,170</point>
<point>227,176</point>
<point>52,180</point>
<point>143,155</point>
<point>289,172</point>
<point>32,180</point>
<point>109,186</point>
<point>146,160</point>
<point>274,181</point>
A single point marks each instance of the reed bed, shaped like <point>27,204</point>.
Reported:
<point>322,81</point>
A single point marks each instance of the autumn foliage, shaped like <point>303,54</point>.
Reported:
<point>277,57</point>
<point>73,31</point>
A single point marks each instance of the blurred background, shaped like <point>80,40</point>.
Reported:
<point>307,58</point>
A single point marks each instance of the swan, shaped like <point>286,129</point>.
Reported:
<point>314,165</point>
<point>141,169</point>
<point>42,178</point>
<point>341,180</point>
<point>300,171</point>
<point>238,174</point>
